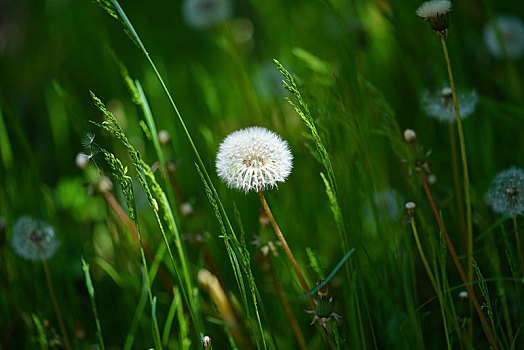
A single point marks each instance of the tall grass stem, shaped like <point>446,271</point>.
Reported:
<point>67,344</point>
<point>467,284</point>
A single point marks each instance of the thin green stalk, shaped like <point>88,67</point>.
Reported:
<point>56,307</point>
<point>422,255</point>
<point>467,284</point>
<point>91,291</point>
<point>158,339</point>
<point>519,247</point>
<point>469,225</point>
<point>456,178</point>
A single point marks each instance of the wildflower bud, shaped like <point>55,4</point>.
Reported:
<point>82,160</point>
<point>263,219</point>
<point>104,185</point>
<point>186,209</point>
<point>410,207</point>
<point>410,136</point>
<point>206,341</point>
<point>164,138</point>
<point>155,204</point>
<point>435,12</point>
<point>432,179</point>
<point>171,167</point>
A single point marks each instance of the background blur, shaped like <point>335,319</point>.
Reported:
<point>52,53</point>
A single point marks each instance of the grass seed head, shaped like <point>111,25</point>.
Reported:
<point>435,12</point>
<point>253,158</point>
<point>33,239</point>
<point>506,194</point>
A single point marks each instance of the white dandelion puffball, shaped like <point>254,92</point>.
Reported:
<point>33,239</point>
<point>512,35</point>
<point>434,8</point>
<point>506,193</point>
<point>201,14</point>
<point>439,105</point>
<point>254,158</point>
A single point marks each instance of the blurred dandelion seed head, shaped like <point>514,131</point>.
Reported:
<point>201,14</point>
<point>33,239</point>
<point>253,158</point>
<point>439,105</point>
<point>512,35</point>
<point>506,193</point>
<point>435,12</point>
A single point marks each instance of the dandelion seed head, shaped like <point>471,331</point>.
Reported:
<point>512,33</point>
<point>435,12</point>
<point>88,140</point>
<point>506,193</point>
<point>410,205</point>
<point>201,14</point>
<point>253,158</point>
<point>439,105</point>
<point>433,8</point>
<point>33,239</point>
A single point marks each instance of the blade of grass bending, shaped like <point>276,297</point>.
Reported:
<point>91,291</point>
<point>178,241</point>
<point>154,325</point>
<point>170,316</point>
<point>234,262</point>
<point>331,275</point>
<point>120,15</point>
<point>5,149</point>
<point>41,332</point>
<point>130,338</point>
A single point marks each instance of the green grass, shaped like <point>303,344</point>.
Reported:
<point>346,81</point>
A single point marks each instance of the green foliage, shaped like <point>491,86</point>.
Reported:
<point>353,72</point>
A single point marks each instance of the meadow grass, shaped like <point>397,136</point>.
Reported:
<point>157,252</point>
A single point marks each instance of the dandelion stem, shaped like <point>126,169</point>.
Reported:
<point>519,247</point>
<point>422,255</point>
<point>55,306</point>
<point>456,179</point>
<point>469,240</point>
<point>451,249</point>
<point>288,252</point>
<point>287,308</point>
